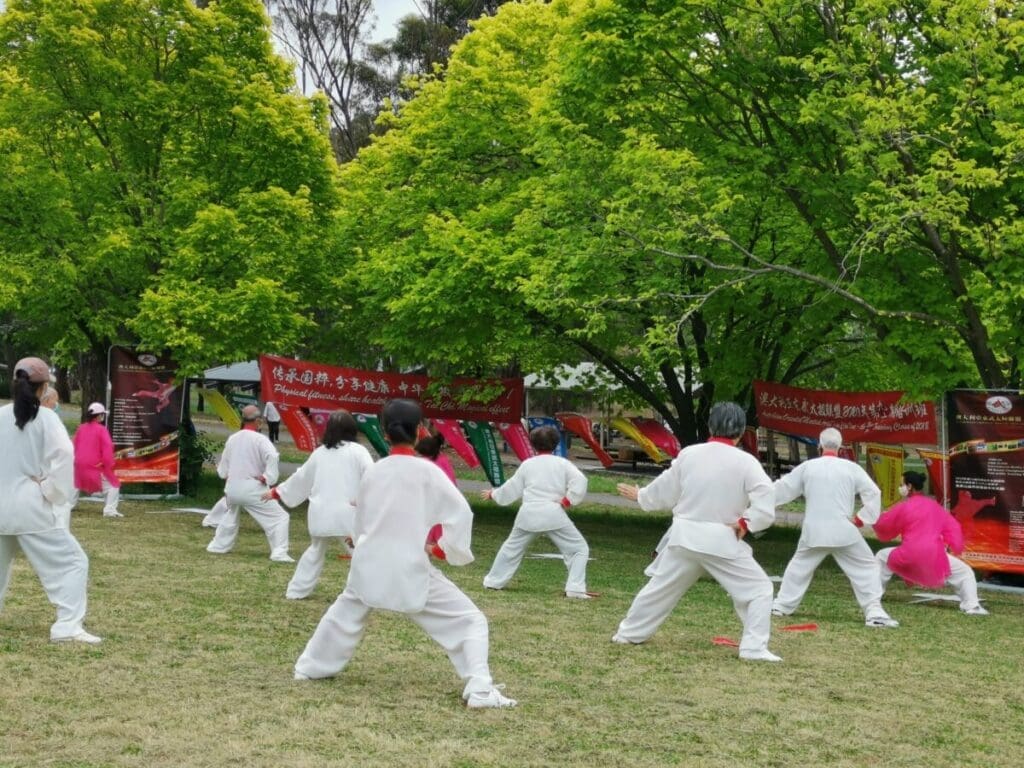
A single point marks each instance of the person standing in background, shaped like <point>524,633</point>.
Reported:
<point>36,479</point>
<point>94,460</point>
<point>273,418</point>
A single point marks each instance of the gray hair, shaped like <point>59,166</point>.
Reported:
<point>831,439</point>
<point>726,420</point>
<point>50,397</point>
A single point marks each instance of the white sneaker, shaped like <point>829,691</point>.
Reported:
<point>617,638</point>
<point>300,676</point>
<point>579,595</point>
<point>284,558</point>
<point>885,622</point>
<point>760,655</point>
<point>493,699</point>
<point>81,637</point>
<point>779,612</point>
<point>975,611</point>
<point>112,513</point>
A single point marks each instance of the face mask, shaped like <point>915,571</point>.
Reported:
<point>904,490</point>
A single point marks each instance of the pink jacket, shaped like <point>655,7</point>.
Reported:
<point>94,457</point>
<point>927,529</point>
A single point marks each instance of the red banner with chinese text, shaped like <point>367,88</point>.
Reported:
<point>304,384</point>
<point>878,417</point>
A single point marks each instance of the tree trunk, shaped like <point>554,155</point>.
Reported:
<point>92,376</point>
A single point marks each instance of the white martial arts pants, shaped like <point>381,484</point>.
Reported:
<point>677,569</point>
<point>570,543</point>
<point>449,617</point>
<point>311,565</point>
<point>856,560</point>
<point>111,497</point>
<point>216,515</point>
<point>62,568</point>
<point>961,578</point>
<point>269,514</point>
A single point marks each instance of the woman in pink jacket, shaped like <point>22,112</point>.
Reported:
<point>94,460</point>
<point>927,529</point>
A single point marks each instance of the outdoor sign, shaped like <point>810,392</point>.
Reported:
<point>145,412</point>
<point>481,437</point>
<point>452,432</point>
<point>885,462</point>
<point>986,460</point>
<point>518,439</point>
<point>305,384</point>
<point>582,426</point>
<point>880,417</point>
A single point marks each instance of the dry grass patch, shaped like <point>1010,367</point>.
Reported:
<point>196,667</point>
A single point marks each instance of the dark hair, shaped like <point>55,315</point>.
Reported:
<point>430,446</point>
<point>915,480</point>
<point>400,419</point>
<point>726,420</point>
<point>341,428</point>
<point>545,439</point>
<point>26,401</point>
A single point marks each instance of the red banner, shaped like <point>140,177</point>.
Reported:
<point>878,417</point>
<point>456,438</point>
<point>936,464</point>
<point>580,425</point>
<point>986,460</point>
<point>311,385</point>
<point>518,439</point>
<point>145,411</point>
<point>300,426</point>
<point>658,434</point>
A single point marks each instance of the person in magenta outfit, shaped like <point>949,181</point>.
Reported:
<point>927,529</point>
<point>94,460</point>
<point>430,448</point>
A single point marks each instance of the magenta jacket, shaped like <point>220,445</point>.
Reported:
<point>927,529</point>
<point>94,457</point>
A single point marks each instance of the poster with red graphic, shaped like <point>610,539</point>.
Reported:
<point>986,464</point>
<point>145,412</point>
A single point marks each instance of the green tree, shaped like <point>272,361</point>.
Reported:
<point>161,183</point>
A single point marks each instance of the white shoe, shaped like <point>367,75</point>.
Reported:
<point>492,699</point>
<point>617,638</point>
<point>760,655</point>
<point>112,513</point>
<point>883,622</point>
<point>779,612</point>
<point>300,676</point>
<point>975,611</point>
<point>579,595</point>
<point>80,637</point>
<point>285,558</point>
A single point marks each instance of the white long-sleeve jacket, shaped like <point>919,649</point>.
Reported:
<point>330,479</point>
<point>36,473</point>
<point>400,499</point>
<point>542,482</point>
<point>830,486</point>
<point>709,487</point>
<point>247,457</point>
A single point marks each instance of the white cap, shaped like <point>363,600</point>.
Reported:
<point>95,409</point>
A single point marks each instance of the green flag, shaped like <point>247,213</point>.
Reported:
<point>482,439</point>
<point>370,426</point>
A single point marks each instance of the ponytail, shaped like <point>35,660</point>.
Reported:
<point>26,401</point>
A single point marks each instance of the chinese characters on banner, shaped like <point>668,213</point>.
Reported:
<point>880,417</point>
<point>986,461</point>
<point>145,411</point>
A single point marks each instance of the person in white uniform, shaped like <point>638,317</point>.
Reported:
<point>717,493</point>
<point>51,399</point>
<point>548,486</point>
<point>249,464</point>
<point>273,417</point>
<point>36,484</point>
<point>830,485</point>
<point>400,498</point>
<point>330,480</point>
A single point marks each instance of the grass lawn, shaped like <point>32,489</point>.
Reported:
<point>197,661</point>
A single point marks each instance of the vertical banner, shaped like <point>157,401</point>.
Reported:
<point>456,438</point>
<point>532,422</point>
<point>626,427</point>
<point>748,442</point>
<point>936,464</point>
<point>300,426</point>
<point>518,439</point>
<point>658,434</point>
<point>580,425</point>
<point>986,461</point>
<point>482,439</point>
<point>370,426</point>
<point>886,465</point>
<point>222,408</point>
<point>145,413</point>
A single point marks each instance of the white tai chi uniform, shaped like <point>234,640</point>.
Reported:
<point>330,480</point>
<point>830,485</point>
<point>545,483</point>
<point>36,485</point>
<point>709,487</point>
<point>400,499</point>
<point>249,463</point>
<point>215,516</point>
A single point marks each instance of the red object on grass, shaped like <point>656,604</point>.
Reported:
<point>800,628</point>
<point>725,641</point>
